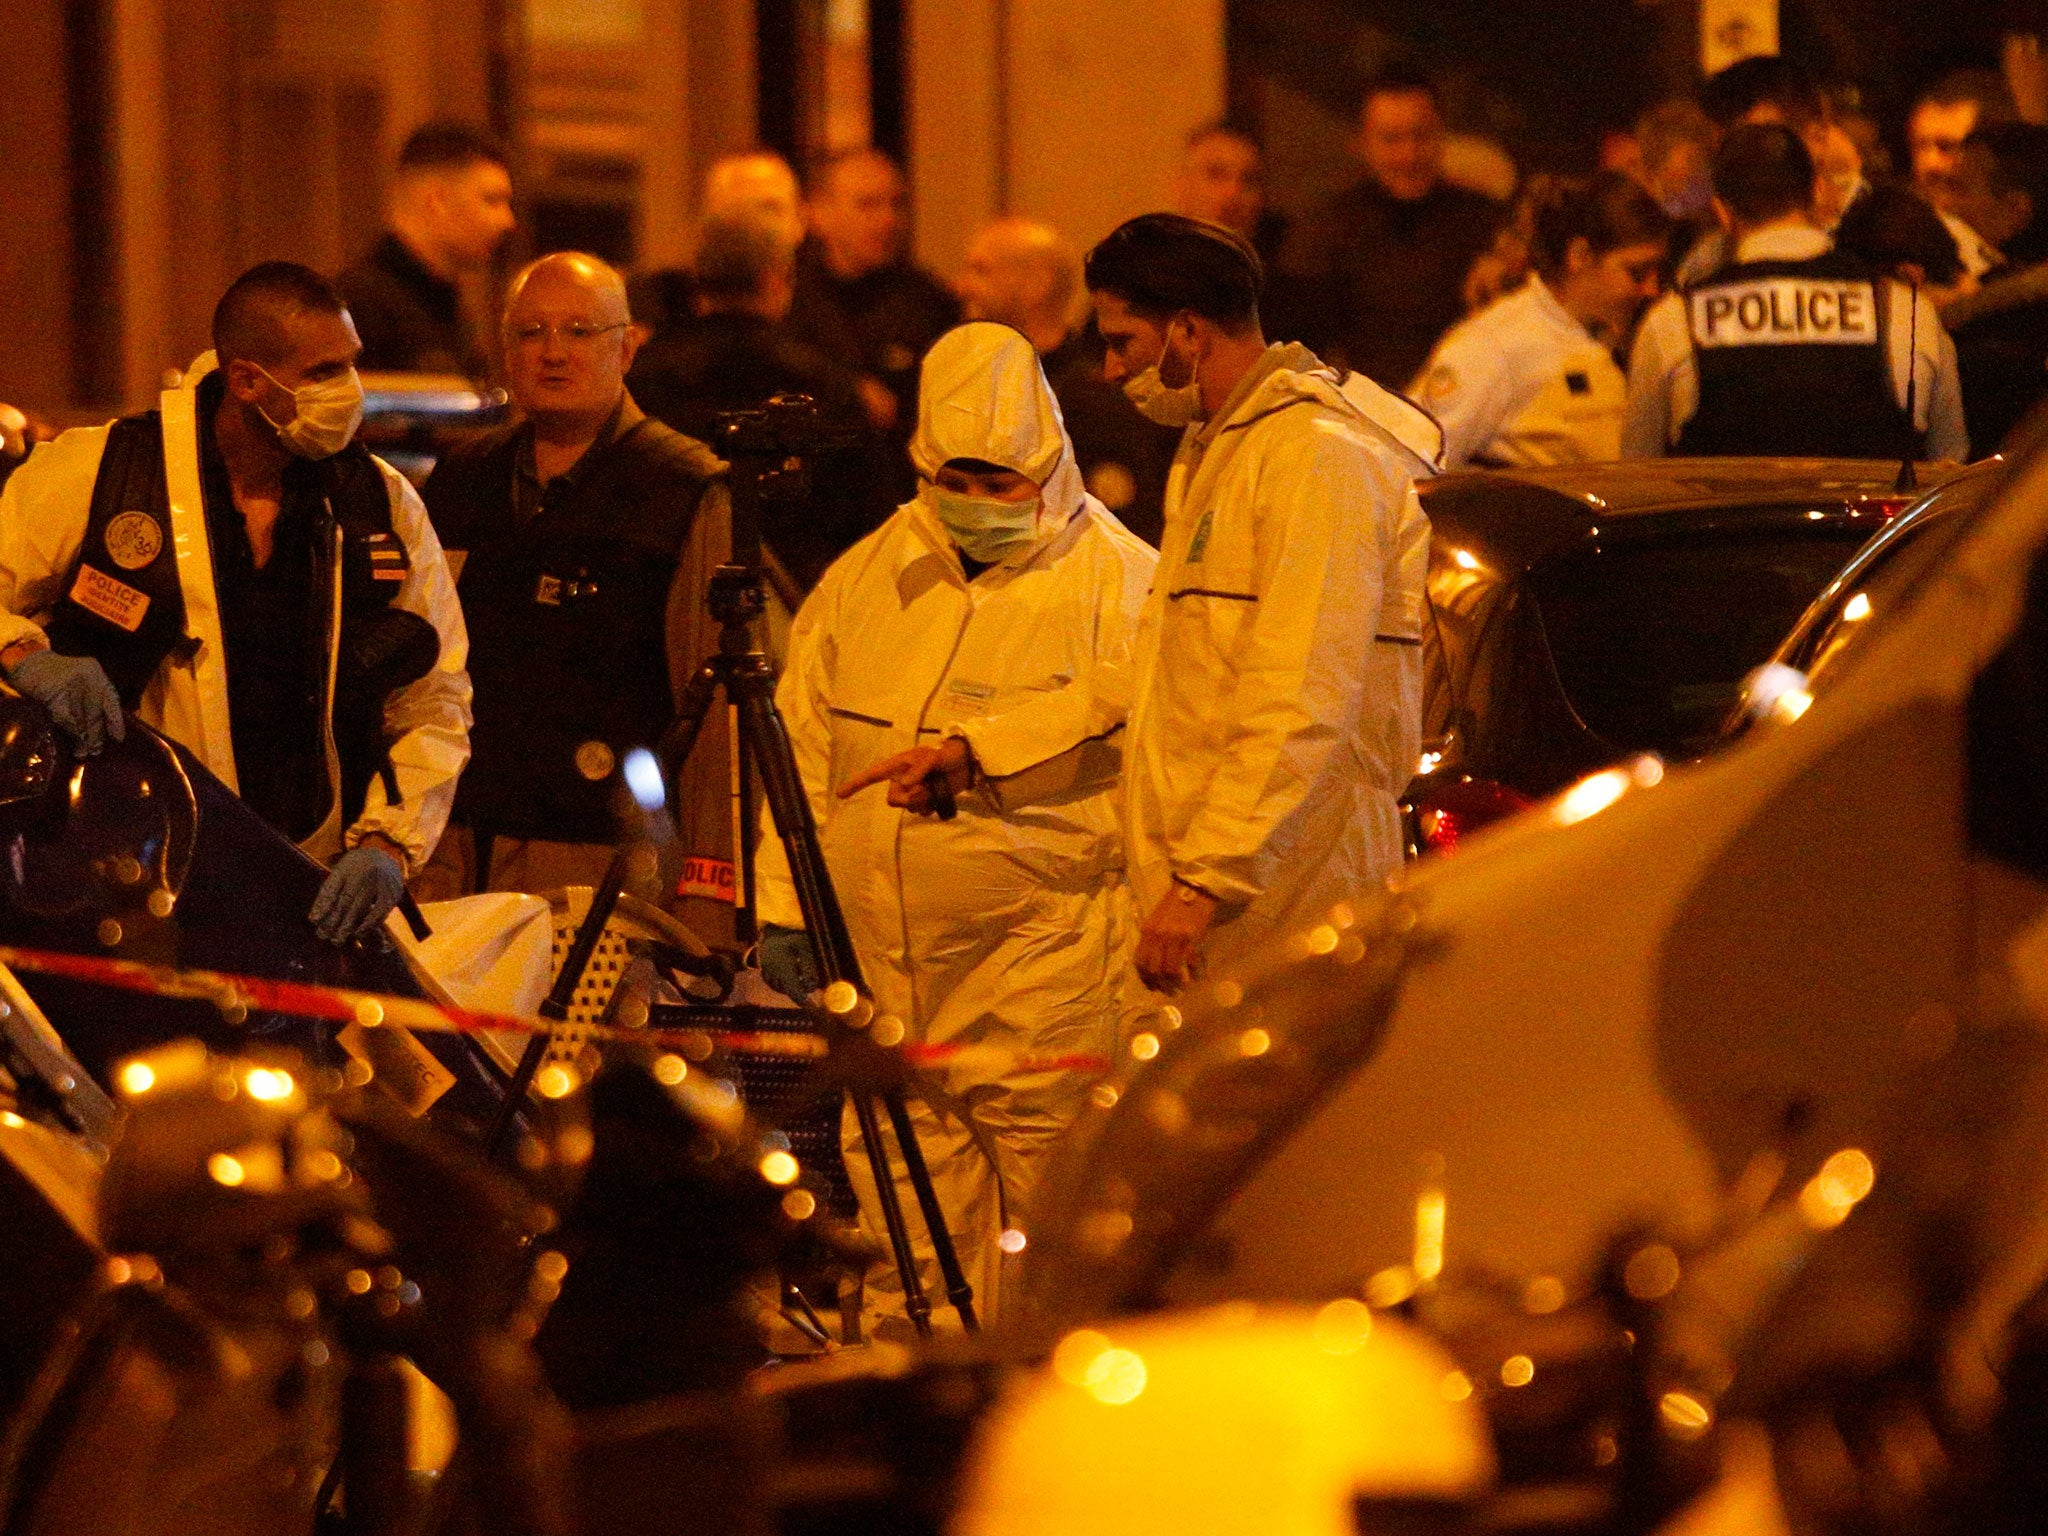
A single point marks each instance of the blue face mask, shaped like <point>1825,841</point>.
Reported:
<point>987,530</point>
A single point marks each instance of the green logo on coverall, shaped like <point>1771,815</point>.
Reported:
<point>1199,544</point>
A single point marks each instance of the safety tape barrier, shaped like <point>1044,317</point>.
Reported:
<point>238,996</point>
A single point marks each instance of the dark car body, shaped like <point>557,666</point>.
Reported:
<point>1580,615</point>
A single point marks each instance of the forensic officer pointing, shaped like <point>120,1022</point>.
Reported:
<point>1793,348</point>
<point>228,567</point>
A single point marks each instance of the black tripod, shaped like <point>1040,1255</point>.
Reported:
<point>766,451</point>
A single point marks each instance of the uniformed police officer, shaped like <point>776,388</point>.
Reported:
<point>1531,379</point>
<point>1794,348</point>
<point>248,580</point>
<point>588,532</point>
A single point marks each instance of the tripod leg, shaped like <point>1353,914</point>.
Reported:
<point>680,738</point>
<point>915,1302</point>
<point>958,1291</point>
<point>768,744</point>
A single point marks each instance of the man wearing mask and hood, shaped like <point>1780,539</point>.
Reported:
<point>992,618</point>
<point>237,571</point>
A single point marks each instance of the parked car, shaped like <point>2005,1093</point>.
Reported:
<point>411,419</point>
<point>1584,613</point>
<point>1737,1069</point>
<point>1877,579</point>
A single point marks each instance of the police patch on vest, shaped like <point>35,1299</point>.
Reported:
<point>115,601</point>
<point>134,540</point>
<point>709,878</point>
<point>1775,311</point>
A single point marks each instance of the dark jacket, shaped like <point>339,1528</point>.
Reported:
<point>410,320</point>
<point>1375,281</point>
<point>567,610</point>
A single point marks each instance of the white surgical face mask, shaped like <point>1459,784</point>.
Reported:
<point>1171,405</point>
<point>987,530</point>
<point>328,414</point>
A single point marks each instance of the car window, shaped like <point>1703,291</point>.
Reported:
<point>1653,637</point>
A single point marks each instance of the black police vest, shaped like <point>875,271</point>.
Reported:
<point>1794,359</point>
<point>123,603</point>
<point>567,615</point>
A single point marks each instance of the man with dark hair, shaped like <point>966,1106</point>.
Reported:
<point>1222,178</point>
<point>449,209</point>
<point>589,533</point>
<point>2001,330</point>
<point>1379,274</point>
<point>1277,683</point>
<point>860,297</point>
<point>1942,120</point>
<point>734,353</point>
<point>224,566</point>
<point>1792,347</point>
<point>1764,88</point>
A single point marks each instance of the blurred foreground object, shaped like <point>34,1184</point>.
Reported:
<point>1229,1422</point>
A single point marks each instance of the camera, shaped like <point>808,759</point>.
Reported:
<point>785,426</point>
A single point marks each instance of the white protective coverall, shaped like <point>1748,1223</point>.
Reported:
<point>1007,928</point>
<point>43,518</point>
<point>1278,698</point>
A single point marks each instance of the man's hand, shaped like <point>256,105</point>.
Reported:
<point>78,694</point>
<point>364,884</point>
<point>1168,942</point>
<point>906,772</point>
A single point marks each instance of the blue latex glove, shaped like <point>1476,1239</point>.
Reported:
<point>78,694</point>
<point>787,963</point>
<point>363,885</point>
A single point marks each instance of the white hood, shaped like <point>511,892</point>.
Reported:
<point>982,395</point>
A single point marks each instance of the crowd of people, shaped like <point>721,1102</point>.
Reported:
<point>1102,652</point>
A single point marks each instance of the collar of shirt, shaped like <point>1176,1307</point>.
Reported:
<point>527,486</point>
<point>1783,242</point>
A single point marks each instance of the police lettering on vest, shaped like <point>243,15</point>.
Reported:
<point>1784,311</point>
<point>1774,340</point>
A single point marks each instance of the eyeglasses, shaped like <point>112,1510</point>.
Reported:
<point>576,334</point>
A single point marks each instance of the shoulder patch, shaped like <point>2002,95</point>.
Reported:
<point>134,540</point>
<point>1439,384</point>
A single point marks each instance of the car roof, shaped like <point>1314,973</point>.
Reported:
<point>1518,517</point>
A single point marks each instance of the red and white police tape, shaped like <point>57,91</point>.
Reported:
<point>237,996</point>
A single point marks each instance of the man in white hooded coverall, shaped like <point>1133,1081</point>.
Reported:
<point>993,613</point>
<point>1276,711</point>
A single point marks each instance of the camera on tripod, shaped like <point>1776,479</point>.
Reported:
<point>775,443</point>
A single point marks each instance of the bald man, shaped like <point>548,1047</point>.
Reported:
<point>588,532</point>
<point>1023,274</point>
